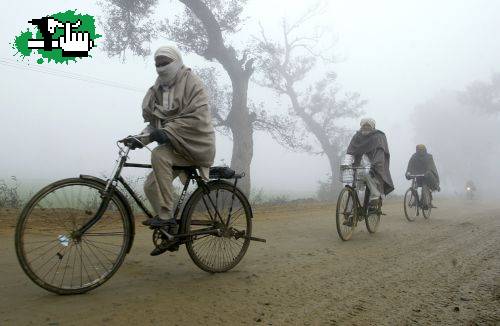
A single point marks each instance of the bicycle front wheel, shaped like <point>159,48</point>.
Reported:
<point>346,214</point>
<point>426,211</point>
<point>49,249</point>
<point>224,209</point>
<point>411,204</point>
<point>372,221</point>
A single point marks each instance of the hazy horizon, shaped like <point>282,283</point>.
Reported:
<point>396,55</point>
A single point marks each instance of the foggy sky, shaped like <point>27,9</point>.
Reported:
<point>397,54</point>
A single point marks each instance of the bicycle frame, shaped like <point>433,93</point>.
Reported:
<point>117,178</point>
<point>415,186</point>
<point>362,209</point>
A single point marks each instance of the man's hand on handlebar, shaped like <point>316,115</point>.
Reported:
<point>132,142</point>
<point>160,136</point>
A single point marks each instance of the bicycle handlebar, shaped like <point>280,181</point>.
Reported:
<point>136,137</point>
<point>351,167</point>
<point>416,175</point>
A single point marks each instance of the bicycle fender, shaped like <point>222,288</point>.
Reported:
<point>237,189</point>
<point>123,199</point>
<point>192,197</point>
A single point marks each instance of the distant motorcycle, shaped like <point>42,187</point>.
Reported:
<point>470,188</point>
<point>469,193</point>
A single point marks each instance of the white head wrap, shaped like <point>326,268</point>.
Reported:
<point>367,121</point>
<point>168,72</point>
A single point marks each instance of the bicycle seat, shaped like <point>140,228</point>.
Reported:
<point>185,168</point>
<point>223,172</point>
<point>190,170</point>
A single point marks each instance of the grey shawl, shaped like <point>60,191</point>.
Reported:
<point>375,146</point>
<point>187,120</point>
<point>423,163</point>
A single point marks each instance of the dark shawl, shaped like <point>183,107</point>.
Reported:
<point>374,145</point>
<point>423,163</point>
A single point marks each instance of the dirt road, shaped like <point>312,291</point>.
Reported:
<point>445,270</point>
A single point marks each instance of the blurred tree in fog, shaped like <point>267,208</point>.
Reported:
<point>287,67</point>
<point>484,96</point>
<point>464,143</point>
<point>9,194</point>
<point>204,28</point>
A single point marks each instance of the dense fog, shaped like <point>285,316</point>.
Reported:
<point>426,70</point>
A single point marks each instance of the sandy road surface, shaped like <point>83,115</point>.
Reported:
<point>445,270</point>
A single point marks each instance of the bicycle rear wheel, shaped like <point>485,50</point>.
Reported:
<point>53,255</point>
<point>345,214</point>
<point>411,204</point>
<point>220,252</point>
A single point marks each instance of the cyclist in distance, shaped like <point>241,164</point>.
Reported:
<point>177,112</point>
<point>470,188</point>
<point>469,185</point>
<point>422,163</point>
<point>372,143</point>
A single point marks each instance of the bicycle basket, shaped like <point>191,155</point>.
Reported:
<point>346,174</point>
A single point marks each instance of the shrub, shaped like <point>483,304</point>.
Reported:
<point>9,195</point>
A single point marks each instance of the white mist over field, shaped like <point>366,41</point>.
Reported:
<point>408,59</point>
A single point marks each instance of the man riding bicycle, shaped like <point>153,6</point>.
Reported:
<point>176,108</point>
<point>422,163</point>
<point>372,143</point>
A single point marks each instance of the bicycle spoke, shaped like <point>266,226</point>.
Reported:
<point>66,267</point>
<point>99,260</point>
<point>219,252</point>
<point>100,250</point>
<point>39,247</point>
<point>100,234</point>
<point>51,252</point>
<point>42,255</point>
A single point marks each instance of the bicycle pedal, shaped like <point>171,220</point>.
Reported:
<point>169,236</point>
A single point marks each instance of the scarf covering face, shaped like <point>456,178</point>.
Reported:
<point>167,73</point>
<point>374,146</point>
<point>188,123</point>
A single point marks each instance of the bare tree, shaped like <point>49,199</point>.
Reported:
<point>484,96</point>
<point>282,128</point>
<point>204,28</point>
<point>285,64</point>
<point>463,142</point>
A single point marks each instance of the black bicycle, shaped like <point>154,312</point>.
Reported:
<point>413,203</point>
<point>74,234</point>
<point>350,210</point>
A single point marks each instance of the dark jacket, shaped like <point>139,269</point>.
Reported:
<point>423,163</point>
<point>374,145</point>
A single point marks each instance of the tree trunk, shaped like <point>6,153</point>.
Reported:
<point>334,160</point>
<point>239,71</point>
<point>331,150</point>
<point>240,123</point>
